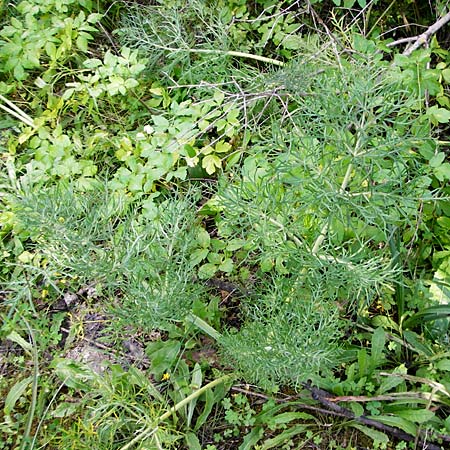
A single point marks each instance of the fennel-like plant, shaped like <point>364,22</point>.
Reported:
<point>318,205</point>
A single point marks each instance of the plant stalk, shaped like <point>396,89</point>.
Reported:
<point>151,429</point>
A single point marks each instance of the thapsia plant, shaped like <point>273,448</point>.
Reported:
<point>319,205</point>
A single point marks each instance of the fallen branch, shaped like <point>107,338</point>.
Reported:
<point>328,400</point>
<point>423,38</point>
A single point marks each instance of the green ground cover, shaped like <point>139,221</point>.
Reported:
<point>224,225</point>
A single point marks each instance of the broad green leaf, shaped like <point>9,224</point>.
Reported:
<point>162,356</point>
<point>198,255</point>
<point>443,364</point>
<point>287,417</point>
<point>218,244</point>
<point>357,409</point>
<point>235,244</point>
<point>50,49</point>
<point>222,147</point>
<point>15,393</point>
<point>203,238</point>
<point>447,424</point>
<point>442,173</point>
<point>82,42</point>
<point>160,122</point>
<point>292,42</point>
<point>208,398</point>
<point>363,362</point>
<point>73,374</point>
<point>416,415</point>
<point>94,17</point>
<point>281,438</point>
<point>227,265</point>
<point>65,409</point>
<point>218,96</point>
<point>370,432</point>
<point>18,339</point>
<point>19,72</point>
<point>192,441</point>
<point>266,265</point>
<point>417,343</point>
<point>398,422</point>
<point>437,159</point>
<point>233,159</point>
<point>215,258</point>
<point>207,271</point>
<point>438,115</point>
<point>390,382</point>
<point>196,383</point>
<point>428,315</point>
<point>252,438</point>
<point>378,341</point>
<point>211,163</point>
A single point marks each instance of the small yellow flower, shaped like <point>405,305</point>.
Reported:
<point>44,293</point>
<point>165,377</point>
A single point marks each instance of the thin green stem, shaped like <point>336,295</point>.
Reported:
<point>34,388</point>
<point>152,428</point>
<point>324,230</point>
<point>264,59</point>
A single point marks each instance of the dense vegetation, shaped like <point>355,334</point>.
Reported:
<point>224,225</point>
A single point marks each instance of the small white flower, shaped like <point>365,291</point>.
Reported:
<point>148,129</point>
<point>268,348</point>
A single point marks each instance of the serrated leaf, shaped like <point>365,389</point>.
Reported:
<point>74,374</point>
<point>65,409</point>
<point>15,393</point>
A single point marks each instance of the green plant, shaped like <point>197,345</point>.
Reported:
<point>35,36</point>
